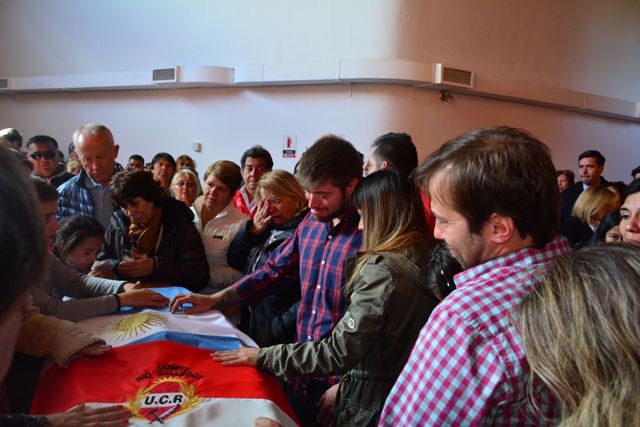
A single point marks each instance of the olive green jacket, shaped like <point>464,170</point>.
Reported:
<point>373,340</point>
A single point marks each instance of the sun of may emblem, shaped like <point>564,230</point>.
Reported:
<point>135,324</point>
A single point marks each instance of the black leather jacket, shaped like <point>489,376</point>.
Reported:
<point>273,321</point>
<point>249,251</point>
<point>180,259</point>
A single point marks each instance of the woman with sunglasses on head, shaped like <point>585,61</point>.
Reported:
<point>389,300</point>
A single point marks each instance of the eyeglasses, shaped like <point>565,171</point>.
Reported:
<point>187,184</point>
<point>38,155</point>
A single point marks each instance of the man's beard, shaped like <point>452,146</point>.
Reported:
<point>330,216</point>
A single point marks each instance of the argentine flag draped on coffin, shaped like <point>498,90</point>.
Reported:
<point>161,371</point>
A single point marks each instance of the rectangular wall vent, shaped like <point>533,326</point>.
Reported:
<point>460,77</point>
<point>164,74</point>
<point>452,76</point>
<point>4,83</point>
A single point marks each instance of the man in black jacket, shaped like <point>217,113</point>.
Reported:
<point>392,150</point>
<point>43,153</point>
<point>591,166</point>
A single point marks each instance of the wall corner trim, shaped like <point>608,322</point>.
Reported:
<point>418,75</point>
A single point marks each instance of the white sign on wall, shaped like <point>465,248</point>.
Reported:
<point>289,144</point>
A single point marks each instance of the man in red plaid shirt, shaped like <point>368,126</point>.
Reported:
<point>315,255</point>
<point>496,204</point>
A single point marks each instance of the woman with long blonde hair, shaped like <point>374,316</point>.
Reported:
<point>389,300</point>
<point>581,332</point>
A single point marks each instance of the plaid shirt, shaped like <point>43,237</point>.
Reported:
<point>468,366</point>
<point>315,255</point>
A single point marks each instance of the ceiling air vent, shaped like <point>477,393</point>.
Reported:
<point>164,75</point>
<point>4,83</point>
<point>452,76</point>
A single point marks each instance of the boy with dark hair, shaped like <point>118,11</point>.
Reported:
<point>394,150</point>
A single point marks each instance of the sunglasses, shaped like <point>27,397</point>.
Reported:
<point>38,155</point>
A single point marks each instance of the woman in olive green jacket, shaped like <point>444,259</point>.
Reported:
<point>389,300</point>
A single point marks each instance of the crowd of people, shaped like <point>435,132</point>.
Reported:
<point>473,289</point>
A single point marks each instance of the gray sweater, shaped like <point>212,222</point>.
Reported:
<point>94,296</point>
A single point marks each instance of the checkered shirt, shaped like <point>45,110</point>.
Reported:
<point>315,255</point>
<point>468,366</point>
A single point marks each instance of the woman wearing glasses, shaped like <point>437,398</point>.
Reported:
<point>185,186</point>
<point>152,238</point>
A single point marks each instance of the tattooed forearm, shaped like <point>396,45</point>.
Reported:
<point>229,297</point>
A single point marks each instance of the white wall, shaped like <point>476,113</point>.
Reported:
<point>83,36</point>
<point>575,44</point>
<point>585,45</point>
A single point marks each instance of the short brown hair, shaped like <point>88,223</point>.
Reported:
<point>569,174</point>
<point>332,159</point>
<point>186,161</point>
<point>45,191</point>
<point>131,183</point>
<point>227,172</point>
<point>498,170</point>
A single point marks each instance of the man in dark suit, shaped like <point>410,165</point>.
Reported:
<point>591,166</point>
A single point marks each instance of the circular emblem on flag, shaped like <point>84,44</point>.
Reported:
<point>164,399</point>
<point>135,324</point>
